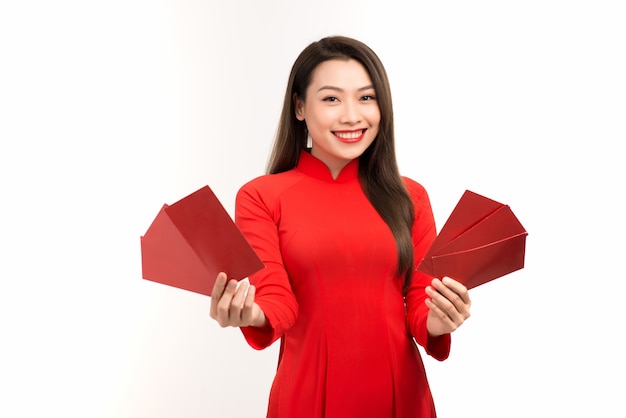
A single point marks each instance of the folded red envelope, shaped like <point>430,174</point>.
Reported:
<point>481,241</point>
<point>191,241</point>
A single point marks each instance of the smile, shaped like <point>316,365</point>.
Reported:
<point>350,136</point>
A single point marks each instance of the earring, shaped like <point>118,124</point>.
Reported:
<point>309,141</point>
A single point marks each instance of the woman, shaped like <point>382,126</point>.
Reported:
<point>340,233</point>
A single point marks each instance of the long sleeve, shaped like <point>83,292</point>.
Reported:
<point>331,294</point>
<point>424,233</point>
<point>257,216</point>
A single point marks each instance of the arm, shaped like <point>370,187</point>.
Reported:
<point>257,216</point>
<point>435,308</point>
<point>423,233</point>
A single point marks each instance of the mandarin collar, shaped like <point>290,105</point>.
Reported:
<point>316,168</point>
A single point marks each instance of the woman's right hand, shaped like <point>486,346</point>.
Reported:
<point>233,306</point>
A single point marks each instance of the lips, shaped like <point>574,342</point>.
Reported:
<point>350,137</point>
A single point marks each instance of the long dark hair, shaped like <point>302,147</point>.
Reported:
<point>378,168</point>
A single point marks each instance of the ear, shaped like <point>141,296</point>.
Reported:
<point>298,105</point>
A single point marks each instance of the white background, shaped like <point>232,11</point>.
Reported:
<point>110,109</point>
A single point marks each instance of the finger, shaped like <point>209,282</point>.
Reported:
<point>456,300</point>
<point>460,298</point>
<point>438,312</point>
<point>248,306</point>
<point>458,288</point>
<point>236,305</point>
<point>216,293</point>
<point>223,306</point>
<point>446,301</point>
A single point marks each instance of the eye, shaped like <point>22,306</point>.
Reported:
<point>330,99</point>
<point>368,97</point>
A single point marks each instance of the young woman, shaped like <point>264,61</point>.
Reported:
<point>340,233</point>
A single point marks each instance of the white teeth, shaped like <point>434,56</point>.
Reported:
<point>349,135</point>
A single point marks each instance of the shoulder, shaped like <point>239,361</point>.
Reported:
<point>417,192</point>
<point>269,187</point>
<point>415,189</point>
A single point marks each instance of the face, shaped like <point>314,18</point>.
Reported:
<point>340,111</point>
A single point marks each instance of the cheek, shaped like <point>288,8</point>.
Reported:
<point>374,123</point>
<point>378,114</point>
<point>373,116</point>
<point>324,118</point>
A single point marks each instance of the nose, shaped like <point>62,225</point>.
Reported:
<point>350,114</point>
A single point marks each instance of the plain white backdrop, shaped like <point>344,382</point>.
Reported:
<point>110,109</point>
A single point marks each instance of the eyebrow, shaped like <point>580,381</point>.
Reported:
<point>370,87</point>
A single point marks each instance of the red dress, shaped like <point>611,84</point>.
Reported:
<point>330,292</point>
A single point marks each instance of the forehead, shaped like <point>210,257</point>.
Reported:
<point>341,73</point>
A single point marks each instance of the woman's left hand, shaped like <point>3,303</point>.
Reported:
<point>449,306</point>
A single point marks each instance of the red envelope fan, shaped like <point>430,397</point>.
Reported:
<point>481,241</point>
<point>193,240</point>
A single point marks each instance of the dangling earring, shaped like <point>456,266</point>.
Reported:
<point>309,141</point>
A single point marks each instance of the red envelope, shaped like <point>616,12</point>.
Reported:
<point>481,241</point>
<point>191,241</point>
